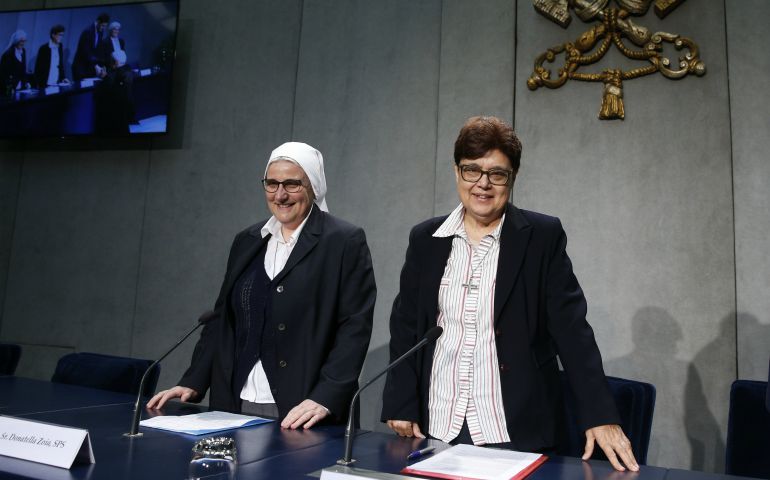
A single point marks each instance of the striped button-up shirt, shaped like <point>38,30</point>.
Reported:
<point>465,379</point>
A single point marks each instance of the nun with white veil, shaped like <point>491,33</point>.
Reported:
<point>13,62</point>
<point>294,313</point>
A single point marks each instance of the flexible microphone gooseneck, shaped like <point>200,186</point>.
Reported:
<point>430,336</point>
<point>134,432</point>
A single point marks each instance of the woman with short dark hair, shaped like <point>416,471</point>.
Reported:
<point>49,66</point>
<point>498,280</point>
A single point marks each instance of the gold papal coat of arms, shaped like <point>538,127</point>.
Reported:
<point>613,26</point>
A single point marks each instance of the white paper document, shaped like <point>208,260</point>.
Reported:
<point>471,462</point>
<point>202,423</point>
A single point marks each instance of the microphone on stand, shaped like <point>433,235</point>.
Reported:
<point>430,336</point>
<point>134,432</point>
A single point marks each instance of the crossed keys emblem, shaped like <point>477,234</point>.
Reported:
<point>612,27</point>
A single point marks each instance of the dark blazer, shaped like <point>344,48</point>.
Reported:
<point>539,313</point>
<point>43,65</point>
<point>87,54</point>
<point>324,298</point>
<point>12,71</point>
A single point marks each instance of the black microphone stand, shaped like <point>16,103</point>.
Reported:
<point>134,432</point>
<point>346,460</point>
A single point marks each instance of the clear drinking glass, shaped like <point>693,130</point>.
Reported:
<point>213,458</point>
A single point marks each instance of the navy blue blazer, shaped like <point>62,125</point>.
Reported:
<point>324,300</point>
<point>539,313</point>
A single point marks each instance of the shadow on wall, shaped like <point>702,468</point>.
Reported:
<point>715,366</point>
<point>712,371</point>
<point>753,346</point>
<point>715,362</point>
<point>682,414</point>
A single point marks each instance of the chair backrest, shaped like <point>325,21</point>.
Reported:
<point>107,372</point>
<point>747,451</point>
<point>9,358</point>
<point>636,404</point>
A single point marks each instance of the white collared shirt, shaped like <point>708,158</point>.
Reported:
<point>257,388</point>
<point>53,71</point>
<point>465,377</point>
<point>115,44</point>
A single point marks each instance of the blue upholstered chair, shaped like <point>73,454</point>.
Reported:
<point>636,404</point>
<point>747,452</point>
<point>107,372</point>
<point>9,358</point>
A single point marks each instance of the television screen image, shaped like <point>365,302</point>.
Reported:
<point>95,70</point>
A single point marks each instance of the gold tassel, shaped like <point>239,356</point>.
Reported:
<point>612,100</point>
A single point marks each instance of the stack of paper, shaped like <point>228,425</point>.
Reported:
<point>468,462</point>
<point>202,423</point>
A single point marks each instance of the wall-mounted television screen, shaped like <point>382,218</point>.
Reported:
<point>95,70</point>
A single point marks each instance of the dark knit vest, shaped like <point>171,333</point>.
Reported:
<point>251,301</point>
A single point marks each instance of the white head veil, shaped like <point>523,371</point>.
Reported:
<point>311,161</point>
<point>16,37</point>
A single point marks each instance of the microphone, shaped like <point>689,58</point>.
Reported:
<point>430,336</point>
<point>134,432</point>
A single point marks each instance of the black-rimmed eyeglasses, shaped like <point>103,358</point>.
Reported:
<point>292,186</point>
<point>496,176</point>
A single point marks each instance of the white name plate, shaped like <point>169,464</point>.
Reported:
<point>44,442</point>
<point>339,472</point>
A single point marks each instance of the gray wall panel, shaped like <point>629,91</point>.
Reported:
<point>72,273</point>
<point>10,174</point>
<point>366,97</point>
<point>747,40</point>
<point>646,203</point>
<point>202,194</point>
<point>39,361</point>
<point>11,161</point>
<point>477,67</point>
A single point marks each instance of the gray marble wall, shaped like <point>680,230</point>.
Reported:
<point>750,125</point>
<point>647,205</point>
<point>116,248</point>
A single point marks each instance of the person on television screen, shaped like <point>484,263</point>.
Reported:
<point>13,63</point>
<point>87,59</point>
<point>500,283</point>
<point>113,43</point>
<point>49,66</point>
<point>111,48</point>
<point>113,105</point>
<point>294,313</point>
